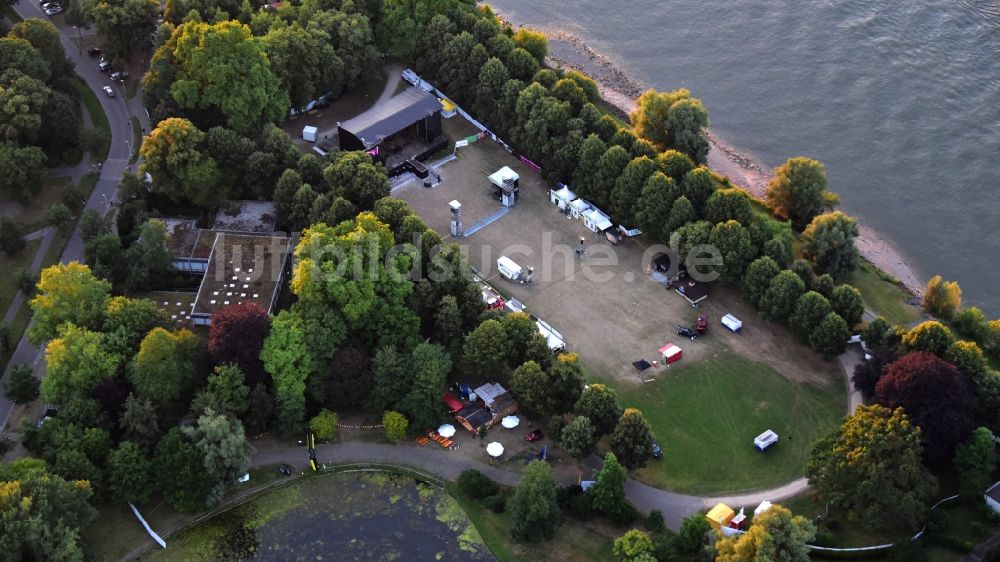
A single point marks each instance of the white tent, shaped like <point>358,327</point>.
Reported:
<point>562,197</point>
<point>552,337</point>
<point>510,422</point>
<point>498,177</point>
<point>578,207</point>
<point>494,449</point>
<point>764,506</point>
<point>596,220</point>
<point>446,430</point>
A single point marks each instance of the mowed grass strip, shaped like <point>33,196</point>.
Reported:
<point>883,296</point>
<point>574,540</point>
<point>706,415</point>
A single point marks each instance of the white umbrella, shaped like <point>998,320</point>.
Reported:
<point>494,449</point>
<point>446,430</point>
<point>510,422</point>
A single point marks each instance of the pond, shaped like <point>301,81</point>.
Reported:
<point>356,516</point>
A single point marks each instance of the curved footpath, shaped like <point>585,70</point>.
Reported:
<point>675,507</point>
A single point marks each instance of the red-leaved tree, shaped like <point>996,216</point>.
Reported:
<point>236,336</point>
<point>934,395</point>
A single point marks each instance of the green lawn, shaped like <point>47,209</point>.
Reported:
<point>136,139</point>
<point>97,116</point>
<point>707,414</point>
<point>8,287</point>
<point>883,295</point>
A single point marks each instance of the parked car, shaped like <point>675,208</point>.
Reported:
<point>51,11</point>
<point>686,332</point>
<point>657,451</point>
<point>109,91</point>
<point>534,435</point>
<point>285,469</point>
<point>49,4</point>
<point>104,65</point>
<point>93,51</point>
<point>702,325</point>
<point>120,75</point>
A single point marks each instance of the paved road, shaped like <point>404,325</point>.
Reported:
<point>438,462</point>
<point>118,111</point>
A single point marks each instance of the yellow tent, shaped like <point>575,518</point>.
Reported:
<point>720,515</point>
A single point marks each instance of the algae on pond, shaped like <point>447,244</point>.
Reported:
<point>373,516</point>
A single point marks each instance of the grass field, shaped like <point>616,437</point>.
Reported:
<point>883,296</point>
<point>97,116</point>
<point>8,287</point>
<point>706,416</point>
<point>136,139</point>
<point>574,540</point>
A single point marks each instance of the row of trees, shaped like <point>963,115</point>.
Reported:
<point>39,107</point>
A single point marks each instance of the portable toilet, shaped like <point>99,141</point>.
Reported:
<point>309,133</point>
<point>720,516</point>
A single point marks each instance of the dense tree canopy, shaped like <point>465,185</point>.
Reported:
<point>632,439</point>
<point>164,369</point>
<point>22,170</point>
<point>172,155</point>
<point>77,361</point>
<point>942,298</point>
<point>43,514</point>
<point>798,191</point>
<point>600,404</point>
<point>871,468</point>
<point>673,120</point>
<point>237,336</point>
<point>218,72</point>
<point>828,242</point>
<point>935,397</point>
<point>67,293</point>
<point>288,360</point>
<point>773,535</point>
<point>533,507</point>
<point>123,26</point>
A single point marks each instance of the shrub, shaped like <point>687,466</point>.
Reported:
<point>324,425</point>
<point>496,503</point>
<point>654,521</point>
<point>21,386</point>
<point>823,538</point>
<point>476,485</point>
<point>395,425</point>
<point>907,551</point>
<point>942,298</point>
<point>574,501</point>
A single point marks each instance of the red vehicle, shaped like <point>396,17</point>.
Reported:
<point>702,325</point>
<point>534,435</point>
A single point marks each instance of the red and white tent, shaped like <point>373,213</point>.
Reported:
<point>671,353</point>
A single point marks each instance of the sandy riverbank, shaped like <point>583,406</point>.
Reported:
<point>620,91</point>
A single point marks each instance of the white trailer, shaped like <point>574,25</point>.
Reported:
<point>733,323</point>
<point>509,269</point>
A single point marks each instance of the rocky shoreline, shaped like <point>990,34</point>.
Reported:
<point>620,91</point>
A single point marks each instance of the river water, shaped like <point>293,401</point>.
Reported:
<point>899,99</point>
